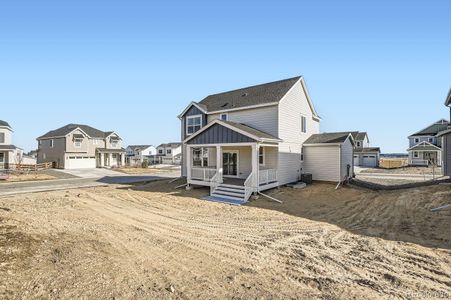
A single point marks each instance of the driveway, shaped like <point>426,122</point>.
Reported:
<point>91,173</point>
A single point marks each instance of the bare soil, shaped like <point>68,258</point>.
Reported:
<point>134,171</point>
<point>406,170</point>
<point>155,242</point>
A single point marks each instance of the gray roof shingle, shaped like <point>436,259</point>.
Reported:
<point>254,95</point>
<point>328,138</point>
<point>172,145</point>
<point>358,136</point>
<point>62,131</point>
<point>141,147</point>
<point>368,149</point>
<point>433,129</point>
<point>4,123</point>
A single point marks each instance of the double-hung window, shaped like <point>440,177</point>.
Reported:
<point>2,137</point>
<point>2,157</point>
<point>200,157</point>
<point>51,143</point>
<point>415,154</point>
<point>261,156</point>
<point>168,151</point>
<point>303,124</point>
<point>224,117</point>
<point>193,124</point>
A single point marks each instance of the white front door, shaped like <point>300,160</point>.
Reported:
<point>230,163</point>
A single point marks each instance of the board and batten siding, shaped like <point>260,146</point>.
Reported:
<point>291,108</point>
<point>347,158</point>
<point>218,134</point>
<point>323,162</point>
<point>192,111</point>
<point>446,154</point>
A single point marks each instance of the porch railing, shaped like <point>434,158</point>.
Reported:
<point>420,162</point>
<point>204,174</point>
<point>216,180</point>
<point>267,176</point>
<point>248,186</point>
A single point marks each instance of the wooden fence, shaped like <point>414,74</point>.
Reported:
<point>393,163</point>
<point>28,168</point>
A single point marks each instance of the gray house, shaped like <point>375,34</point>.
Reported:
<point>425,146</point>
<point>364,155</point>
<point>77,146</point>
<point>445,137</point>
<point>252,139</point>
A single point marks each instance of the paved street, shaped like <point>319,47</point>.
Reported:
<point>89,181</point>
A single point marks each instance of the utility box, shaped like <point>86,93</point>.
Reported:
<point>307,178</point>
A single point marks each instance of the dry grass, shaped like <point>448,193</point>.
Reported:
<point>134,171</point>
<point>406,170</point>
<point>155,242</point>
<point>28,177</point>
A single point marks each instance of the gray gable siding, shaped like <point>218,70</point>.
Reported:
<point>192,111</point>
<point>446,155</point>
<point>218,134</point>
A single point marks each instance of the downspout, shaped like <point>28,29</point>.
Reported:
<point>339,161</point>
<point>258,168</point>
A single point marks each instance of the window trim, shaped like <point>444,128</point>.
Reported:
<point>263,155</point>
<point>51,143</point>
<point>2,157</point>
<point>303,123</point>
<point>416,154</point>
<point>226,116</point>
<point>430,139</point>
<point>358,144</point>
<point>2,138</point>
<point>416,140</point>
<point>193,117</point>
<point>170,152</point>
<point>201,156</point>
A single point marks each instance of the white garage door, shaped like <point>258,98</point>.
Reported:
<point>369,161</point>
<point>85,162</point>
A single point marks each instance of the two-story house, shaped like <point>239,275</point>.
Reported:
<point>425,146</point>
<point>10,155</point>
<point>77,146</point>
<point>364,155</point>
<point>445,137</point>
<point>169,153</point>
<point>252,139</point>
<point>137,154</point>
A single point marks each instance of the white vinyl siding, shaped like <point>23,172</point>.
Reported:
<point>323,162</point>
<point>264,118</point>
<point>347,155</point>
<point>291,107</point>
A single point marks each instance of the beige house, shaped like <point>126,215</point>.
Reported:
<point>10,155</point>
<point>76,146</point>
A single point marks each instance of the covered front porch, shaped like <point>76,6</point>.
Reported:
<point>109,158</point>
<point>425,154</point>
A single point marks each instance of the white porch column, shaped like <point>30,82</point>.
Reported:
<point>188,162</point>
<point>219,161</point>
<point>110,159</point>
<point>102,160</point>
<point>122,159</point>
<point>255,165</point>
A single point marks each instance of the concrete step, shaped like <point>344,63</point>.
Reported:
<point>221,196</point>
<point>226,193</point>
<point>238,187</point>
<point>228,189</point>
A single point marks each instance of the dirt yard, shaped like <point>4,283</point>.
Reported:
<point>406,170</point>
<point>157,243</point>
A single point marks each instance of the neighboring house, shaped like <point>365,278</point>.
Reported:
<point>364,155</point>
<point>425,147</point>
<point>445,137</point>
<point>250,139</point>
<point>170,153</point>
<point>137,154</point>
<point>10,155</point>
<point>77,146</point>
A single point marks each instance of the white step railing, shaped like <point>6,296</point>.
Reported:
<point>204,174</point>
<point>215,181</point>
<point>248,189</point>
<point>267,176</point>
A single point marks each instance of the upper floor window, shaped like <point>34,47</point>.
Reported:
<point>359,144</point>
<point>39,143</point>
<point>430,140</point>
<point>168,151</point>
<point>417,140</point>
<point>261,156</point>
<point>51,143</point>
<point>160,151</point>
<point>2,137</point>
<point>114,142</point>
<point>2,157</point>
<point>224,117</point>
<point>193,124</point>
<point>303,124</point>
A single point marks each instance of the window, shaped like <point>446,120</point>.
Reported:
<point>77,142</point>
<point>302,154</point>
<point>261,156</point>
<point>114,143</point>
<point>2,137</point>
<point>224,117</point>
<point>417,140</point>
<point>358,144</point>
<point>160,151</point>
<point>2,157</point>
<point>193,124</point>
<point>200,157</point>
<point>39,143</point>
<point>51,143</point>
<point>168,151</point>
<point>303,124</point>
<point>415,154</point>
<point>430,140</point>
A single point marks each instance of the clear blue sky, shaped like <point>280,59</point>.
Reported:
<point>132,66</point>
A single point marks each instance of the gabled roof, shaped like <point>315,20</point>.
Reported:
<point>444,132</point>
<point>240,128</point>
<point>172,145</point>
<point>433,129</point>
<point>140,147</point>
<point>424,146</point>
<point>4,123</point>
<point>359,136</point>
<point>62,131</point>
<point>329,138</point>
<point>368,149</point>
<point>448,99</point>
<point>253,96</point>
